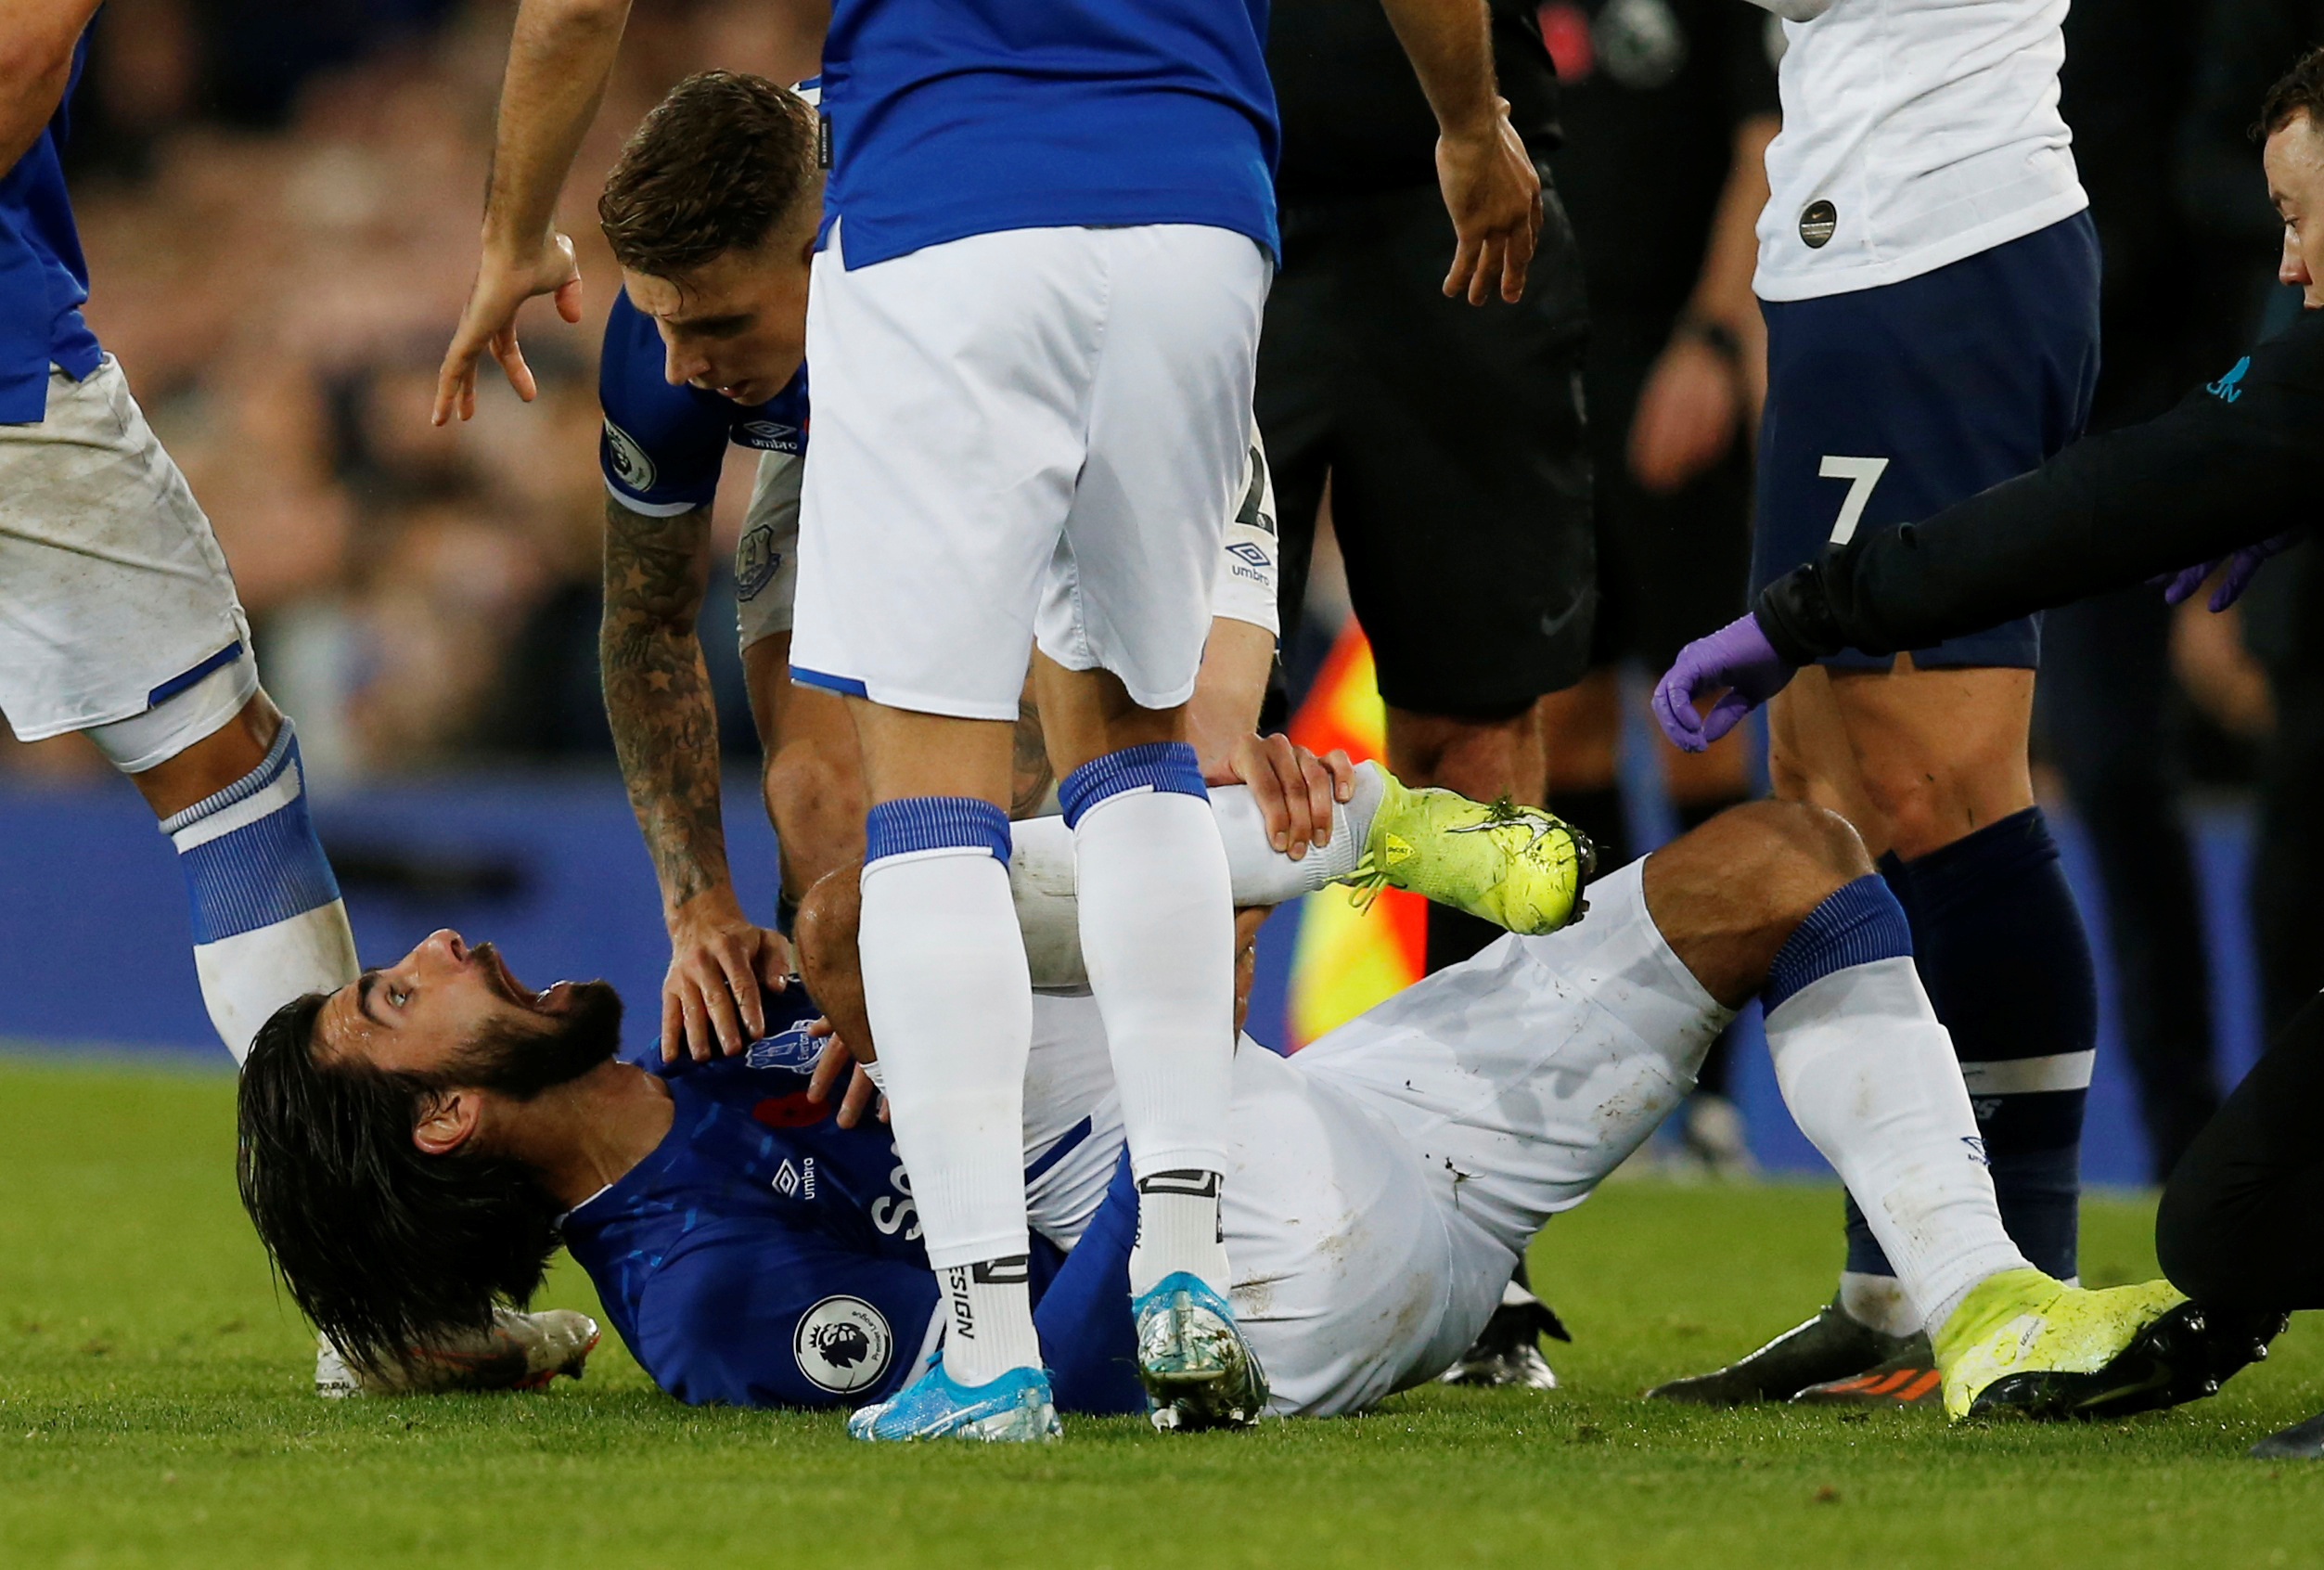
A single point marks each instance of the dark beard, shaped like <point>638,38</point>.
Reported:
<point>520,1061</point>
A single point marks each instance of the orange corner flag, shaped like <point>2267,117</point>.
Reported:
<point>1344,960</point>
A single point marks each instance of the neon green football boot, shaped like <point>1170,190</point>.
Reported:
<point>1516,867</point>
<point>2027,1343</point>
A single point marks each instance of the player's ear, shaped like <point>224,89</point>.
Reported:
<point>446,1120</point>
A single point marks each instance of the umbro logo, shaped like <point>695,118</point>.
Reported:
<point>767,435</point>
<point>1248,552</point>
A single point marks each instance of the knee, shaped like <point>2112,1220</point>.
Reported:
<point>802,778</point>
<point>816,802</point>
<point>1731,893</point>
<point>1797,850</point>
<point>1915,806</point>
<point>1927,802</point>
<point>823,934</point>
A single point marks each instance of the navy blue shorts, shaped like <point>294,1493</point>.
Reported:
<point>1887,404</point>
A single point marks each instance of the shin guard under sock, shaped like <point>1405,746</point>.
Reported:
<point>1157,930</point>
<point>2002,951</point>
<point>951,1010</point>
<point>1870,1077</point>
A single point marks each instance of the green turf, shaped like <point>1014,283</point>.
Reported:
<point>155,1409</point>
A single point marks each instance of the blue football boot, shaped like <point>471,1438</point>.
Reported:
<point>1198,1370</point>
<point>1015,1408</point>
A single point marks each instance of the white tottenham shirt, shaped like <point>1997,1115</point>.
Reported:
<point>1915,132</point>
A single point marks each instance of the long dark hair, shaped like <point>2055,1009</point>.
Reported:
<point>383,1246</point>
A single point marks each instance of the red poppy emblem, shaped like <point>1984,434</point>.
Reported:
<point>794,1111</point>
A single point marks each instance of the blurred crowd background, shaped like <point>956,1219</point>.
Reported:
<point>280,202</point>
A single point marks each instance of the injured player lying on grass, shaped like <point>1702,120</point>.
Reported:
<point>415,1147</point>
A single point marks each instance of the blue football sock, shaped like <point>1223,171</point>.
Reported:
<point>268,923</point>
<point>2001,949</point>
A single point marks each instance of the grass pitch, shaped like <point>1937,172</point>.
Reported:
<point>155,1409</point>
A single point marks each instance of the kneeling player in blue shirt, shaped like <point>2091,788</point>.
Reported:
<point>416,1146</point>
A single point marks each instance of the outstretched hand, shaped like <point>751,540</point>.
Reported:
<point>721,966</point>
<point>504,283</point>
<point>2236,572</point>
<point>1737,660</point>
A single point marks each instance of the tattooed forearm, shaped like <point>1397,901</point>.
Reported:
<point>1029,763</point>
<point>658,696</point>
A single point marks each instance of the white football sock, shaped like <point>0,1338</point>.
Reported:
<point>1157,929</point>
<point>1262,875</point>
<point>1177,1222</point>
<point>951,1011</point>
<point>1870,1077</point>
<point>988,1324</point>
<point>268,923</point>
<point>1878,1302</point>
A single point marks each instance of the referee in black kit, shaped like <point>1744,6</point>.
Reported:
<point>1451,439</point>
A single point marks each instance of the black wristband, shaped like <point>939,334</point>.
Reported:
<point>1787,614</point>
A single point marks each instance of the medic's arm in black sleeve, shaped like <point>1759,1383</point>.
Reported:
<point>2236,462</point>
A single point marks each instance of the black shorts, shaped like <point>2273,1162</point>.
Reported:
<point>1672,567</point>
<point>1453,440</point>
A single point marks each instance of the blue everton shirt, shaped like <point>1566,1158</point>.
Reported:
<point>951,118</point>
<point>663,446</point>
<point>763,1255</point>
<point>42,277</point>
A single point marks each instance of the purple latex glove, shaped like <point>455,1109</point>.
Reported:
<point>1738,658</point>
<point>2240,569</point>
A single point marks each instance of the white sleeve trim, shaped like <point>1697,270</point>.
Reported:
<point>647,509</point>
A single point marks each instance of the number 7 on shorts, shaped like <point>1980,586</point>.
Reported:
<point>1862,474</point>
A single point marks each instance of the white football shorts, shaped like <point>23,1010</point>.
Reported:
<point>1034,435</point>
<point>1382,1184</point>
<point>114,596</point>
<point>766,553</point>
<point>1514,1082</point>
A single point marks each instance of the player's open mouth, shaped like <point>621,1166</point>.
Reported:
<point>504,982</point>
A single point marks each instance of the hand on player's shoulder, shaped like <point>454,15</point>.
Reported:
<point>721,966</point>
